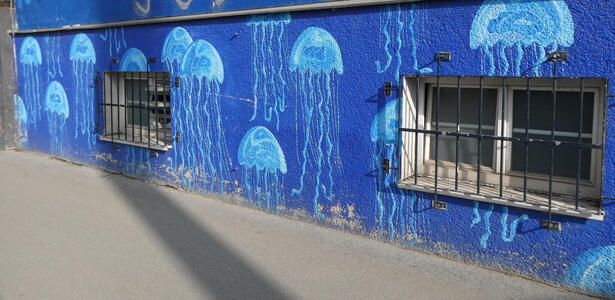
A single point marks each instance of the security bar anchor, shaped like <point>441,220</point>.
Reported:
<point>551,225</point>
<point>388,87</point>
<point>443,56</point>
<point>386,166</point>
<point>558,56</point>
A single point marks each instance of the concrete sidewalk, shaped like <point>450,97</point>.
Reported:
<point>77,232</point>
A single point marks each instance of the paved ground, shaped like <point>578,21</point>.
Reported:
<point>76,232</point>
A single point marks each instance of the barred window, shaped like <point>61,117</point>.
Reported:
<point>136,109</point>
<point>527,142</point>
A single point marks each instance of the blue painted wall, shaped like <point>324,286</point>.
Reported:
<point>33,14</point>
<point>288,115</point>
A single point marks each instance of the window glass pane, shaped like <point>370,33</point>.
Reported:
<point>566,127</point>
<point>468,147</point>
<point>136,99</point>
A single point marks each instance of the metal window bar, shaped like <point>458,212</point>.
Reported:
<point>480,133</point>
<point>552,142</point>
<point>118,93</point>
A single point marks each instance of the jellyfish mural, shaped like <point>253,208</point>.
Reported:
<point>134,60</point>
<point>317,57</point>
<point>203,140</point>
<point>21,116</point>
<point>31,58</point>
<point>111,36</point>
<point>511,28</point>
<point>56,105</point>
<point>52,45</point>
<point>173,50</point>
<point>267,64</point>
<point>593,271</point>
<point>83,57</point>
<point>384,135</point>
<point>264,164</point>
<point>393,32</point>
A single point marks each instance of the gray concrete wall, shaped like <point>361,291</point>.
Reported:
<point>7,115</point>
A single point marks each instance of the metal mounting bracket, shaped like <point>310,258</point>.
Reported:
<point>551,225</point>
<point>440,205</point>
<point>443,56</point>
<point>388,87</point>
<point>177,81</point>
<point>386,166</point>
<point>558,56</point>
<point>178,136</point>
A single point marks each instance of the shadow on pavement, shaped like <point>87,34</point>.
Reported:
<point>216,268</point>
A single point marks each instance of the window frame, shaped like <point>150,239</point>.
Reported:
<point>589,189</point>
<point>114,104</point>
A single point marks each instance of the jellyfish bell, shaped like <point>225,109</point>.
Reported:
<point>20,110</point>
<point>30,52</point>
<point>175,45</point>
<point>385,123</point>
<point>81,49</point>
<point>56,100</point>
<point>281,18</point>
<point>593,271</point>
<point>133,60</point>
<point>203,61</point>
<point>316,50</point>
<point>515,22</point>
<point>259,148</point>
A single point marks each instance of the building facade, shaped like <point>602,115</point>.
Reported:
<point>349,114</point>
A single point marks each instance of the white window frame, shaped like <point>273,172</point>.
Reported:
<point>588,189</point>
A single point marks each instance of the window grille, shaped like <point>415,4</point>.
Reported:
<point>136,109</point>
<point>515,141</point>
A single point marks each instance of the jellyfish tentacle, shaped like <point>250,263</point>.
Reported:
<point>389,153</point>
<point>477,218</point>
<point>379,68</point>
<point>503,58</point>
<point>519,59</point>
<point>509,235</point>
<point>400,28</point>
<point>320,152</point>
<point>307,110</point>
<point>280,76</point>
<point>328,136</point>
<point>220,136</point>
<point>411,222</point>
<point>255,56</point>
<point>485,236</point>
<point>380,183</point>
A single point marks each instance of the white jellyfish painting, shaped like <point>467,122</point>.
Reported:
<point>268,65</point>
<point>384,135</point>
<point>134,60</point>
<point>392,26</point>
<point>56,106</point>
<point>173,51</point>
<point>21,116</point>
<point>203,146</point>
<point>31,59</point>
<point>83,59</point>
<point>508,29</point>
<point>52,46</point>
<point>264,164</point>
<point>317,58</point>
<point>115,42</point>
